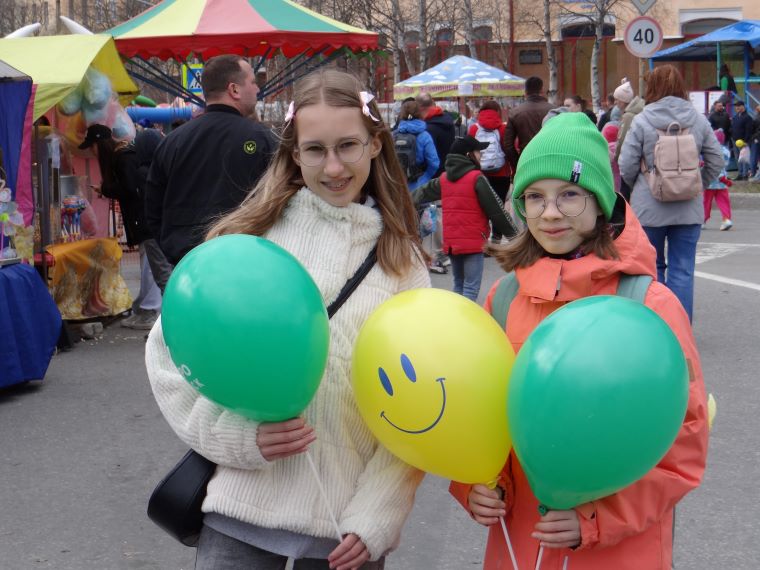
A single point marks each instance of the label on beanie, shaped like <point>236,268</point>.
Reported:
<point>576,173</point>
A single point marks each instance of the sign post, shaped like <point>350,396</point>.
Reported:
<point>643,38</point>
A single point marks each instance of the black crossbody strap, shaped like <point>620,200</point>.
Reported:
<point>353,283</point>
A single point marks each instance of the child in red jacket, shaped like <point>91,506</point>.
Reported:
<point>468,203</point>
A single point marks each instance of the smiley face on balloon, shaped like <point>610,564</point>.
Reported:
<point>437,400</point>
<point>411,375</point>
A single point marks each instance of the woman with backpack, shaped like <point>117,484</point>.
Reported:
<point>493,163</point>
<point>650,145</point>
<point>415,148</point>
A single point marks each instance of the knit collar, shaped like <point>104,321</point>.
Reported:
<point>365,219</point>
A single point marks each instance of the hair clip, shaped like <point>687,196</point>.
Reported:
<point>290,115</point>
<point>366,98</point>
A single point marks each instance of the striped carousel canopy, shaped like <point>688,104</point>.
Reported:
<point>461,76</point>
<point>204,28</point>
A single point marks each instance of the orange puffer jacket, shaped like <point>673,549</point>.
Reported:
<point>632,529</point>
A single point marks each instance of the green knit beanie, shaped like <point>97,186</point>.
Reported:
<point>568,147</point>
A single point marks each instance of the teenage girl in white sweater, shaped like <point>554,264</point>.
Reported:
<point>333,191</point>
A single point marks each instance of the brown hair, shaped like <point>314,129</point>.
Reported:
<point>219,72</point>
<point>410,110</point>
<point>664,81</point>
<point>524,250</point>
<point>491,104</point>
<point>386,183</point>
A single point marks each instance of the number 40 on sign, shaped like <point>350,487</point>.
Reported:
<point>643,37</point>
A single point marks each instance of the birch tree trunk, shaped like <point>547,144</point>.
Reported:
<point>594,71</point>
<point>551,55</point>
<point>469,34</point>
<point>423,45</point>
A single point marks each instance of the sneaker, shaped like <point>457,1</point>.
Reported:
<point>444,260</point>
<point>437,267</point>
<point>726,225</point>
<point>142,321</point>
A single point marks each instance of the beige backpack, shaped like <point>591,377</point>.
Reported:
<point>675,174</point>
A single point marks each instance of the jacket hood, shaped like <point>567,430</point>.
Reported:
<point>668,109</point>
<point>565,280</point>
<point>414,126</point>
<point>457,165</point>
<point>636,105</point>
<point>489,119</point>
<point>443,119</point>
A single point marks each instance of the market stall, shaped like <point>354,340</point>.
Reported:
<point>181,29</point>
<point>461,76</point>
<point>29,320</point>
<point>737,42</point>
<point>79,81</point>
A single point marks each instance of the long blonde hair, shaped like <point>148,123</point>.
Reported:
<point>386,183</point>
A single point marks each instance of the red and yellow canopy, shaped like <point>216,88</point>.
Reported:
<point>177,28</point>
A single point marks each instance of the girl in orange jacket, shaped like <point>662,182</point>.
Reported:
<point>580,238</point>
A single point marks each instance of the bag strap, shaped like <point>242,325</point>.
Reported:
<point>352,283</point>
<point>505,293</point>
<point>633,287</point>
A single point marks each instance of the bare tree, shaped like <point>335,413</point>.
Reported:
<point>15,14</point>
<point>597,13</point>
<point>545,23</point>
<point>469,35</point>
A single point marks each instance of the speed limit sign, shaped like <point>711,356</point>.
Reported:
<point>643,36</point>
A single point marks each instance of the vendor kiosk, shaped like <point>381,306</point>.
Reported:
<point>79,80</point>
<point>29,320</point>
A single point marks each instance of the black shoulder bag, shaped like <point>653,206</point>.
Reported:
<point>175,504</point>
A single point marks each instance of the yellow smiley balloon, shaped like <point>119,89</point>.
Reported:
<point>430,375</point>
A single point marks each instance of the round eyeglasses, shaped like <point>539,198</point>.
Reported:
<point>347,151</point>
<point>570,203</point>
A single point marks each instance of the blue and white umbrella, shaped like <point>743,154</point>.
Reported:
<point>461,76</point>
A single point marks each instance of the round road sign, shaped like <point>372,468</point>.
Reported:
<point>643,36</point>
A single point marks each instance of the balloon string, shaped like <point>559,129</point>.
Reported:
<point>509,543</point>
<point>564,564</point>
<point>324,496</point>
<point>538,560</point>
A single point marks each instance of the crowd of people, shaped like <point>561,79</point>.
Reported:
<point>581,213</point>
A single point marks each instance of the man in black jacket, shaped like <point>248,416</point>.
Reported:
<point>741,127</point>
<point>440,125</point>
<point>207,166</point>
<point>719,119</point>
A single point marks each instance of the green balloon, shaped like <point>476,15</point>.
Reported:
<point>597,396</point>
<point>246,326</point>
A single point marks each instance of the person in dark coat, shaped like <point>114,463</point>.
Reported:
<point>525,119</point>
<point>741,129</point>
<point>719,119</point>
<point>440,125</point>
<point>207,166</point>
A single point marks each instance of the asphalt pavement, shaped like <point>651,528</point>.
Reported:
<point>83,449</point>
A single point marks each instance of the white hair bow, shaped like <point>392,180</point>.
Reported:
<point>291,113</point>
<point>363,95</point>
<point>366,98</point>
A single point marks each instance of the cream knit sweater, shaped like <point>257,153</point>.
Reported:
<point>370,491</point>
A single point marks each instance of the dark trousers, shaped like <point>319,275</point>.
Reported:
<point>500,184</point>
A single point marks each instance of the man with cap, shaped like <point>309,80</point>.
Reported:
<point>207,166</point>
<point>741,128</point>
<point>468,203</point>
